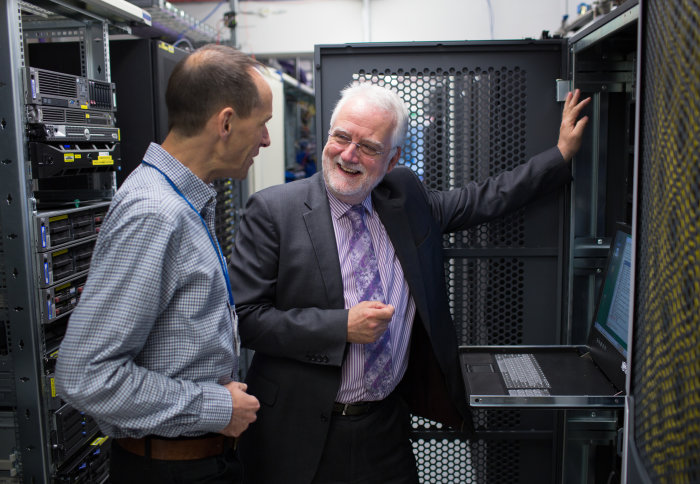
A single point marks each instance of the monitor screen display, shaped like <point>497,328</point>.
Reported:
<point>614,306</point>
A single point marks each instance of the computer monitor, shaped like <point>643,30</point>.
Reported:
<point>611,323</point>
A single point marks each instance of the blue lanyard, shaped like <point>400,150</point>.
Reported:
<point>214,242</point>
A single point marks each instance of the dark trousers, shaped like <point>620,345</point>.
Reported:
<point>128,468</point>
<point>373,448</point>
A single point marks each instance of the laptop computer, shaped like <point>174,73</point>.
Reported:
<point>569,376</point>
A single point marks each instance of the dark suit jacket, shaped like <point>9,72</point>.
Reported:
<point>286,279</point>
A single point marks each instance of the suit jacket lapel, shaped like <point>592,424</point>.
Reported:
<point>396,221</point>
<point>317,218</point>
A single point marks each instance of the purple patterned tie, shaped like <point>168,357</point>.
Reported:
<point>369,287</point>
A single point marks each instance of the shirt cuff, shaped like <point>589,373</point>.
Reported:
<point>217,407</point>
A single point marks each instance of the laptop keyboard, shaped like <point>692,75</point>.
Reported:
<point>521,371</point>
<point>529,392</point>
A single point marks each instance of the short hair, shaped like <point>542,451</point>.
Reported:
<point>382,98</point>
<point>210,78</point>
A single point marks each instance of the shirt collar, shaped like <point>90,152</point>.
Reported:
<point>338,208</point>
<point>192,187</point>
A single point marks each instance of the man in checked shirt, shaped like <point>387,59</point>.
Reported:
<point>151,351</point>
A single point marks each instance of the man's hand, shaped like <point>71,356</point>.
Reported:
<point>244,408</point>
<point>368,320</point>
<point>571,129</point>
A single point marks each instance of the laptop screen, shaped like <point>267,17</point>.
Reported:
<point>608,339</point>
<point>613,308</point>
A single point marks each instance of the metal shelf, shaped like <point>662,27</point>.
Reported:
<point>172,24</point>
<point>114,12</point>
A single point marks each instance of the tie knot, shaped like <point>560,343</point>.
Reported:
<point>355,214</point>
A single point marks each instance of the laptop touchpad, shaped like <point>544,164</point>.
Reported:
<point>486,368</point>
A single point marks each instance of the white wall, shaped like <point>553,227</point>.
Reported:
<point>292,27</point>
<point>268,167</point>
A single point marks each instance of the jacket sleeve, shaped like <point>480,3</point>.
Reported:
<point>475,203</point>
<point>277,292</point>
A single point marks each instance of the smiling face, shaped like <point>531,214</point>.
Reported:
<point>351,175</point>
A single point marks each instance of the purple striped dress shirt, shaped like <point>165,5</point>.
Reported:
<point>396,291</point>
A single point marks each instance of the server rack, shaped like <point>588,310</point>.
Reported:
<point>59,146</point>
<point>62,158</point>
<point>604,63</point>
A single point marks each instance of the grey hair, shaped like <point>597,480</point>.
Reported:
<point>381,98</point>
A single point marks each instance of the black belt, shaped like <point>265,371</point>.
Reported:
<point>354,409</point>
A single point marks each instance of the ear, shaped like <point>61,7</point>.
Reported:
<point>224,121</point>
<point>394,159</point>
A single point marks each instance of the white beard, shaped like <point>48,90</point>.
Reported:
<point>348,191</point>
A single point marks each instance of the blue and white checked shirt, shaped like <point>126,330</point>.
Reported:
<point>152,338</point>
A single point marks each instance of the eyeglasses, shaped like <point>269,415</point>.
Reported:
<point>342,139</point>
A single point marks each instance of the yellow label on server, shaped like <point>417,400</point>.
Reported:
<point>99,441</point>
<point>103,160</point>
<point>63,286</point>
<point>84,106</point>
<point>58,217</point>
<point>166,47</point>
<point>53,388</point>
<point>68,158</point>
<point>59,252</point>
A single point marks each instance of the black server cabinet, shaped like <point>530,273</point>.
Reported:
<point>141,68</point>
<point>477,109</point>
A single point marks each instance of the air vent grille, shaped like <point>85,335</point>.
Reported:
<point>55,83</point>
